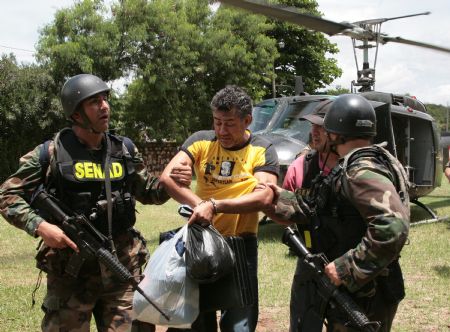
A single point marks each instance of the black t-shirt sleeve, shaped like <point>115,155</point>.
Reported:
<point>271,161</point>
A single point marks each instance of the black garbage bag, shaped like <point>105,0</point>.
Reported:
<point>208,255</point>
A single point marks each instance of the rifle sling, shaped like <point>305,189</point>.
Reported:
<point>108,192</point>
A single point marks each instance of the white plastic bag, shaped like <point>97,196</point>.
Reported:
<point>166,283</point>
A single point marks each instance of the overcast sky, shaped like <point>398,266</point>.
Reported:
<point>400,68</point>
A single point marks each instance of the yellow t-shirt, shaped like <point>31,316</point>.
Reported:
<point>224,173</point>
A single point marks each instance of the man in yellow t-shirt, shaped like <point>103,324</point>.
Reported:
<point>229,162</point>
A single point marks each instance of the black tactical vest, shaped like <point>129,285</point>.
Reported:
<point>337,226</point>
<point>78,180</point>
<point>311,170</point>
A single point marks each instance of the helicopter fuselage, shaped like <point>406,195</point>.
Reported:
<point>403,123</point>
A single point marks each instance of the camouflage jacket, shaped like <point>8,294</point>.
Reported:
<point>368,185</point>
<point>17,190</point>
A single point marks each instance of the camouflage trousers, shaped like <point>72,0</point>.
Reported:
<point>71,302</point>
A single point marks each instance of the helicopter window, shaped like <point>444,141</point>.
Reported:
<point>290,122</point>
<point>262,113</point>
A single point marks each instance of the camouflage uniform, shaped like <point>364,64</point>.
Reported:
<point>71,301</point>
<point>360,218</point>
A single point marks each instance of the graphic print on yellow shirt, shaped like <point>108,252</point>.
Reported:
<point>225,173</point>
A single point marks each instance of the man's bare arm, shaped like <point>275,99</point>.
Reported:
<point>269,210</point>
<point>266,177</point>
<point>180,192</point>
<point>260,199</point>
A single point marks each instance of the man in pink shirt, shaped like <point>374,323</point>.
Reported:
<point>295,173</point>
<point>299,177</point>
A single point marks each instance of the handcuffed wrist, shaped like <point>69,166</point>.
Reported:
<point>213,203</point>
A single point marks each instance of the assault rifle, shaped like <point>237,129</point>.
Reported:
<point>91,242</point>
<point>327,290</point>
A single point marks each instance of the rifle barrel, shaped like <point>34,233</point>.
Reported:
<point>124,275</point>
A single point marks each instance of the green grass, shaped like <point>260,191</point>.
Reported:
<point>425,261</point>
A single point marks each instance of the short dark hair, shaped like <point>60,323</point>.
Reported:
<point>231,97</point>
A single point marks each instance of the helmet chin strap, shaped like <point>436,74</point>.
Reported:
<point>329,151</point>
<point>86,124</point>
<point>333,144</point>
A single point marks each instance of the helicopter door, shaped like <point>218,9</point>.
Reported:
<point>385,132</point>
<point>422,151</point>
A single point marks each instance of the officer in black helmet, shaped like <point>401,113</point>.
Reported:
<point>78,89</point>
<point>372,214</point>
<point>72,168</point>
<point>360,218</point>
<point>351,116</point>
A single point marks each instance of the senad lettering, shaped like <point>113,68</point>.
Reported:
<point>87,170</point>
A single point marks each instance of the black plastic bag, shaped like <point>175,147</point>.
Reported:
<point>208,255</point>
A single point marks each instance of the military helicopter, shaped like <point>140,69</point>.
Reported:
<point>411,134</point>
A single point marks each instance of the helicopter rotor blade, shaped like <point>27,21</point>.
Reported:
<point>382,20</point>
<point>354,30</point>
<point>290,14</point>
<point>385,39</point>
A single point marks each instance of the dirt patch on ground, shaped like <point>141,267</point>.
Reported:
<point>273,320</point>
<point>270,320</point>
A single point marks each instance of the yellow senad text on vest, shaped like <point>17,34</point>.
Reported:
<point>90,170</point>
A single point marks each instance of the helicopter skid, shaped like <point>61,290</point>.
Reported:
<point>434,216</point>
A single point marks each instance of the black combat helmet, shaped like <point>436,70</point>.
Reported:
<point>351,115</point>
<point>78,88</point>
